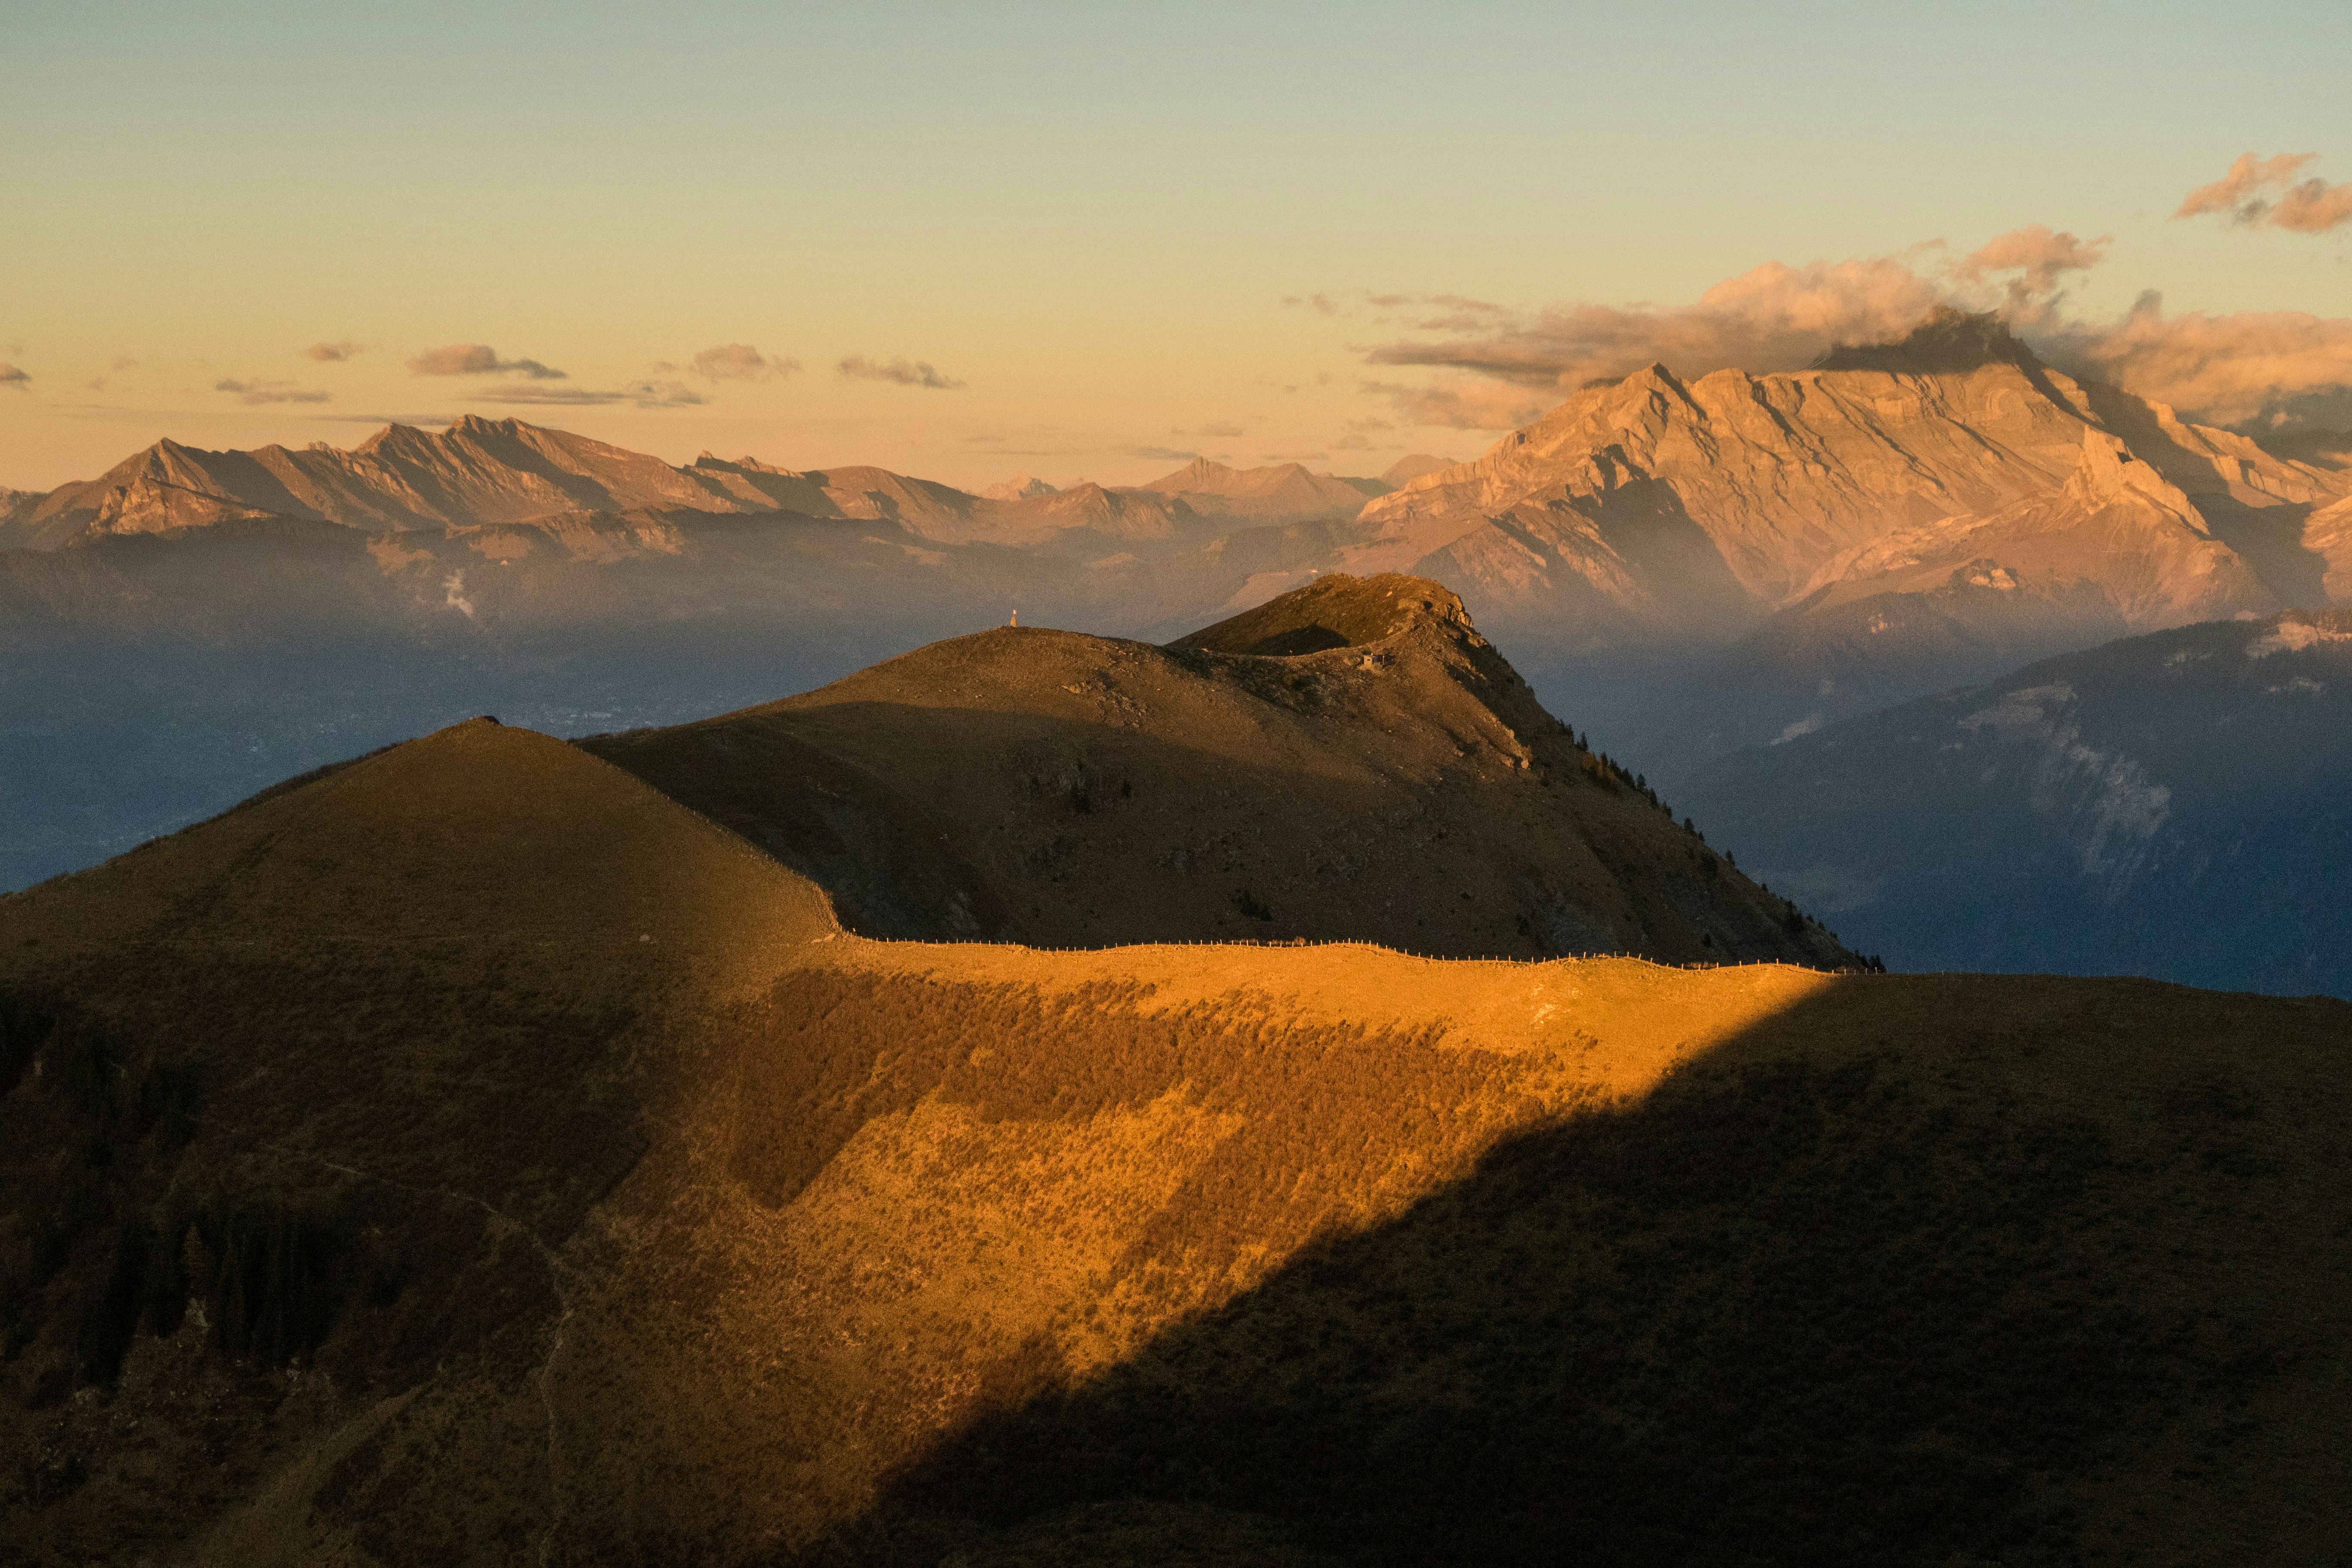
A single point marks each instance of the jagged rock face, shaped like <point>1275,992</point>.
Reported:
<point>1660,508</point>
<point>482,472</point>
<point>479,471</point>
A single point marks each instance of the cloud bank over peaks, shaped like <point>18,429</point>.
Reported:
<point>261,392</point>
<point>2263,192</point>
<point>479,359</point>
<point>740,362</point>
<point>2253,370</point>
<point>642,394</point>
<point>1500,366</point>
<point>901,372</point>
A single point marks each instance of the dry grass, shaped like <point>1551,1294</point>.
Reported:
<point>759,1240</point>
<point>1388,779</point>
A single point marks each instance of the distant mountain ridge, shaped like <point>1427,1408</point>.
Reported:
<point>1688,568</point>
<point>1283,490</point>
<point>486,471</point>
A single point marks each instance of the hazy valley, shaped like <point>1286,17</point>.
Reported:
<point>1683,571</point>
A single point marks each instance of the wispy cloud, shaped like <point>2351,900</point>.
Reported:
<point>2040,258</point>
<point>335,354</point>
<point>1321,304</point>
<point>479,359</point>
<point>904,373</point>
<point>1461,402</point>
<point>1158,454</point>
<point>1221,430</point>
<point>643,394</point>
<point>11,377</point>
<point>2263,192</point>
<point>741,362</point>
<point>257,392</point>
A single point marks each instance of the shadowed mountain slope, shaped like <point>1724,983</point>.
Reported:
<point>2171,805</point>
<point>470,1156</point>
<point>1353,759</point>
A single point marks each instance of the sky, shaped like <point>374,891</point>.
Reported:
<point>1093,240</point>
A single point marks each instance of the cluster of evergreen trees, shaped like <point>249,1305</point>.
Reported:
<point>91,1250</point>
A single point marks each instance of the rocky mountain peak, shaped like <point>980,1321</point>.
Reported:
<point>1949,340</point>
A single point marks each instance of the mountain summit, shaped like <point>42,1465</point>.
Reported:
<point>1350,761</point>
<point>1949,340</point>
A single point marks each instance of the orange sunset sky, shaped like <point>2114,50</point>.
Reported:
<point>1092,241</point>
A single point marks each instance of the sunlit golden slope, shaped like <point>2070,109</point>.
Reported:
<point>474,1156</point>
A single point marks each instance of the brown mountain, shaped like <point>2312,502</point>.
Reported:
<point>1406,469</point>
<point>949,516</point>
<point>1020,487</point>
<point>1350,761</point>
<point>471,1155</point>
<point>1652,508</point>
<point>1284,492</point>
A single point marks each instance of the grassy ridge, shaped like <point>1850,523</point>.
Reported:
<point>2062,1283</point>
<point>538,1173</point>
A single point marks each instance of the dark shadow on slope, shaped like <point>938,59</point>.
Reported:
<point>1886,1304</point>
<point>1073,833</point>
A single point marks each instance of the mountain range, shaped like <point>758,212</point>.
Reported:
<point>483,471</point>
<point>1742,553</point>
<point>472,1153</point>
<point>1687,569</point>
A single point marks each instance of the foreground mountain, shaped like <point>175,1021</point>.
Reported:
<point>2173,803</point>
<point>474,1156</point>
<point>1350,761</point>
